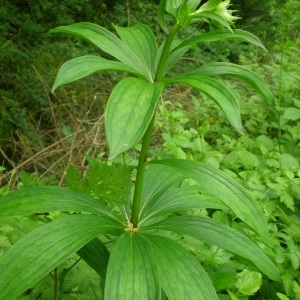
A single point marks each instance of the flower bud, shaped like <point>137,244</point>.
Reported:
<point>223,12</point>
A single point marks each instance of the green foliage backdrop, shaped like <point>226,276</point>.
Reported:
<point>265,160</point>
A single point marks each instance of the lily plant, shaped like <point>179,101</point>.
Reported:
<point>145,262</point>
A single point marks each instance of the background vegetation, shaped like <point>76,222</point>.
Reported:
<point>42,134</point>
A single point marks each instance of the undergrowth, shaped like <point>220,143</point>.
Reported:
<point>265,161</point>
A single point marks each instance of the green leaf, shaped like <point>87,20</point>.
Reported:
<point>159,199</point>
<point>154,186</point>
<point>129,110</point>
<point>282,296</point>
<point>161,16</point>
<point>4,190</point>
<point>246,75</point>
<point>173,6</point>
<point>226,190</point>
<point>289,162</point>
<point>110,182</point>
<point>49,198</point>
<point>291,113</point>
<point>96,255</point>
<point>30,179</point>
<point>266,142</point>
<point>40,251</point>
<point>296,102</point>
<point>217,91</point>
<point>222,236</point>
<point>131,273</point>
<point>210,4</point>
<point>182,14</point>
<point>99,36</point>
<point>213,16</point>
<point>248,282</point>
<point>142,43</point>
<point>83,66</point>
<point>223,279</point>
<point>75,180</point>
<point>193,4</point>
<point>173,57</point>
<point>181,275</point>
<point>221,34</point>
<point>232,295</point>
<point>179,199</point>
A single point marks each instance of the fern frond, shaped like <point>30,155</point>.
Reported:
<point>75,181</point>
<point>109,182</point>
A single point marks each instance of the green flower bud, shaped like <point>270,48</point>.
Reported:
<point>218,7</point>
<point>223,12</point>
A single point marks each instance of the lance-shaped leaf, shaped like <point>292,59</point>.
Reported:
<point>96,255</point>
<point>49,198</point>
<point>161,16</point>
<point>173,57</point>
<point>193,4</point>
<point>213,16</point>
<point>210,5</point>
<point>181,275</point>
<point>129,110</point>
<point>226,190</point>
<point>157,180</point>
<point>83,66</point>
<point>178,199</point>
<point>40,251</point>
<point>246,75</point>
<point>173,7</point>
<point>102,38</point>
<point>221,34</point>
<point>218,92</point>
<point>162,194</point>
<point>141,41</point>
<point>131,273</point>
<point>223,236</point>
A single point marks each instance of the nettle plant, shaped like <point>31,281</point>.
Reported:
<point>144,262</point>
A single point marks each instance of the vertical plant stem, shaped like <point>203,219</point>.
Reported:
<point>55,280</point>
<point>165,52</point>
<point>137,197</point>
<point>279,135</point>
<point>61,279</point>
<point>128,12</point>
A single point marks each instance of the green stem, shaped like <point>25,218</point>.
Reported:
<point>137,197</point>
<point>279,134</point>
<point>55,280</point>
<point>165,52</point>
